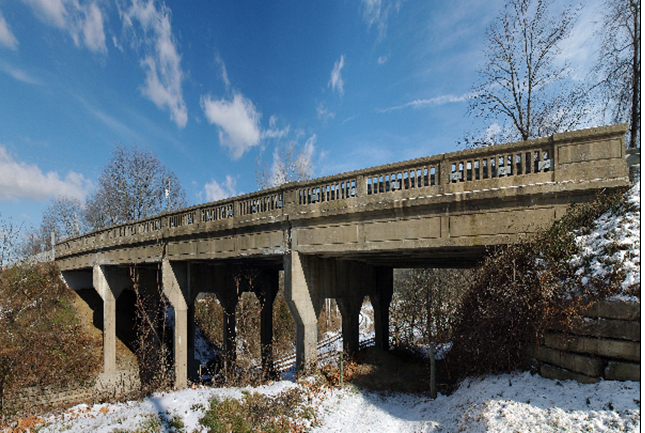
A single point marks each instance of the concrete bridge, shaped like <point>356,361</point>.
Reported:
<point>341,236</point>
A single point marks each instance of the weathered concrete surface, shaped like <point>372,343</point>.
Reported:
<point>594,346</point>
<point>437,211</point>
<point>618,310</point>
<point>553,372</point>
<point>617,370</point>
<point>109,283</point>
<point>607,328</point>
<point>393,214</point>
<point>587,365</point>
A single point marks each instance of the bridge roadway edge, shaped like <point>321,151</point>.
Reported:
<point>435,211</point>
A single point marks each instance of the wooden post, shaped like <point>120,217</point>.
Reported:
<point>433,385</point>
<point>341,370</point>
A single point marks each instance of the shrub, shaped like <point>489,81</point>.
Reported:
<point>287,411</point>
<point>41,340</point>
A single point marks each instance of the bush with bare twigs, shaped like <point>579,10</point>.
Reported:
<point>41,339</point>
<point>522,289</point>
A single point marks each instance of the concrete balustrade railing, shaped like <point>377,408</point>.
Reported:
<point>575,156</point>
<point>520,160</point>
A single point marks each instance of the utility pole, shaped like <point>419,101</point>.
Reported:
<point>168,193</point>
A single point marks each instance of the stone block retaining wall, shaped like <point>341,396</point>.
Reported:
<point>605,345</point>
<point>38,399</point>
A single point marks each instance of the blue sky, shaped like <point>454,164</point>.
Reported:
<point>211,86</point>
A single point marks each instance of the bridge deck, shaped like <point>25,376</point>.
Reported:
<point>426,211</point>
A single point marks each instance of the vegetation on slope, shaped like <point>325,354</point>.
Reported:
<point>41,339</point>
<point>520,290</point>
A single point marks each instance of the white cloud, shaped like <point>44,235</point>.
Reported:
<point>581,47</point>
<point>336,81</point>
<point>308,151</point>
<point>216,191</point>
<point>93,32</point>
<point>84,22</point>
<point>6,37</point>
<point>324,113</point>
<point>274,131</point>
<point>19,180</point>
<point>225,79</point>
<point>376,12</point>
<point>382,60</point>
<point>19,74</point>
<point>238,120</point>
<point>439,100</point>
<point>161,62</point>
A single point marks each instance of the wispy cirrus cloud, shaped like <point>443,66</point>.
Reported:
<point>161,60</point>
<point>274,131</point>
<point>19,180</point>
<point>336,81</point>
<point>420,103</point>
<point>6,37</point>
<point>376,13</point>
<point>324,113</point>
<point>82,20</point>
<point>19,74</point>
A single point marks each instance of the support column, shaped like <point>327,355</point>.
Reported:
<point>228,299</point>
<point>176,287</point>
<point>381,304</point>
<point>300,294</point>
<point>109,282</point>
<point>350,309</point>
<point>266,294</point>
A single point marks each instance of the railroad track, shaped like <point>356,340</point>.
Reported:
<point>286,362</point>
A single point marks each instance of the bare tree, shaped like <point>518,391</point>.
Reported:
<point>9,236</point>
<point>523,83</point>
<point>133,185</point>
<point>290,164</point>
<point>64,217</point>
<point>426,301</point>
<point>619,64</point>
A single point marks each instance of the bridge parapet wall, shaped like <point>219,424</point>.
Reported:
<point>559,161</point>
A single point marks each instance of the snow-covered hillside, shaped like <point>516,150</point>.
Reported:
<point>512,402</point>
<point>614,242</point>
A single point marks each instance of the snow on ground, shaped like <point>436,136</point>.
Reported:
<point>615,241</point>
<point>516,402</point>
